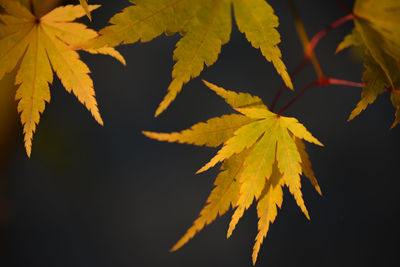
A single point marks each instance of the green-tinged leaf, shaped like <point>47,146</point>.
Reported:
<point>205,26</point>
<point>199,46</point>
<point>258,167</point>
<point>377,23</point>
<point>242,138</point>
<point>351,39</point>
<point>373,41</point>
<point>211,133</point>
<point>383,17</point>
<point>256,19</point>
<point>289,160</point>
<point>298,130</point>
<point>375,83</point>
<point>376,32</point>
<point>249,155</point>
<point>236,100</point>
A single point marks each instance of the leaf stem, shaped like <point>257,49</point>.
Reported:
<point>301,31</point>
<point>391,90</point>
<point>318,36</point>
<point>309,46</point>
<point>299,67</point>
<point>324,81</point>
<point>344,82</point>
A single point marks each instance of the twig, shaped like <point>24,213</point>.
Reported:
<point>324,81</point>
<point>309,51</point>
<point>309,46</point>
<point>299,67</point>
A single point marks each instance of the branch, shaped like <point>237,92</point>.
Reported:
<point>309,51</point>
<point>324,81</point>
<point>309,46</point>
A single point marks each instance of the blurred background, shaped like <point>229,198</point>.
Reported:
<point>108,196</point>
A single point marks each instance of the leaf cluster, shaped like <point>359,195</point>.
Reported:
<point>205,25</point>
<point>261,152</point>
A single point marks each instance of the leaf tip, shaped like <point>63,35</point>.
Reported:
<point>353,115</point>
<point>229,233</point>
<point>159,110</point>
<point>318,189</point>
<point>28,151</point>
<point>151,135</point>
<point>211,86</point>
<point>100,121</point>
<point>206,83</point>
<point>200,170</point>
<point>145,133</point>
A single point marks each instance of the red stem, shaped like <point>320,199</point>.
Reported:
<point>324,81</point>
<point>343,82</point>
<point>317,37</point>
<point>390,90</point>
<point>308,52</point>
<point>296,71</point>
<point>305,89</point>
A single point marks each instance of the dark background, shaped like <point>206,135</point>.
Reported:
<point>108,196</point>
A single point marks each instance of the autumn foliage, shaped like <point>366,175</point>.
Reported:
<point>260,150</point>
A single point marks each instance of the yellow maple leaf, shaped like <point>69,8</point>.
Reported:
<point>259,155</point>
<point>223,196</point>
<point>85,6</point>
<point>271,197</point>
<point>43,45</point>
<point>205,26</point>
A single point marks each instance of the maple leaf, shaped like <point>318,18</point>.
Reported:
<point>85,6</point>
<point>43,45</point>
<point>205,25</point>
<point>261,152</point>
<point>376,32</point>
<point>375,83</point>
